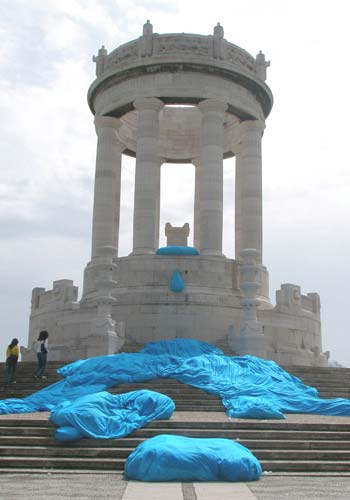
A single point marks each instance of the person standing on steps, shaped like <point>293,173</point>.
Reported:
<point>12,353</point>
<point>41,347</point>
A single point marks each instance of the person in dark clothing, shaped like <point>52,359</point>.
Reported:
<point>42,348</point>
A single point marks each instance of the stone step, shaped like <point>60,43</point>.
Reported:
<point>64,451</point>
<point>333,395</point>
<point>315,369</point>
<point>233,424</point>
<point>246,434</point>
<point>191,408</point>
<point>131,442</point>
<point>287,466</point>
<point>32,441</point>
<point>124,452</point>
<point>283,425</point>
<point>332,387</point>
<point>340,424</point>
<point>303,455</point>
<point>117,464</point>
<point>325,380</point>
<point>48,463</point>
<point>25,431</point>
<point>236,434</point>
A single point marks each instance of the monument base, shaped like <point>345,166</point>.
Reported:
<point>208,308</point>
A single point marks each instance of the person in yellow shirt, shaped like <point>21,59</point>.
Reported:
<point>12,354</point>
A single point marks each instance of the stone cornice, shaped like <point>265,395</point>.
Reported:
<point>147,66</point>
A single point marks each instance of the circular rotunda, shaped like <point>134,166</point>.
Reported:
<point>181,98</point>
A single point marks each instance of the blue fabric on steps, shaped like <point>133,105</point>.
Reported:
<point>178,458</point>
<point>239,380</point>
<point>105,416</point>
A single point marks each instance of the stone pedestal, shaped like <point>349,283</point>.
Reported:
<point>251,337</point>
<point>177,236</point>
<point>103,338</point>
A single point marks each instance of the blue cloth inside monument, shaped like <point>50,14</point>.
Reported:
<point>249,387</point>
<point>104,415</point>
<point>178,458</point>
<point>176,283</point>
<point>177,250</point>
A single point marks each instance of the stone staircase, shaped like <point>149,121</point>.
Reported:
<point>330,382</point>
<point>280,447</point>
<point>290,446</point>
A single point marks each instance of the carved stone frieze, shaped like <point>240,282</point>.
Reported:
<point>236,56</point>
<point>154,46</point>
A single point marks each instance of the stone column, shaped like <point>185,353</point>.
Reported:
<point>196,212</point>
<point>250,174</point>
<point>158,189</point>
<point>117,189</point>
<point>238,206</point>
<point>211,176</point>
<point>147,176</point>
<point>105,223</point>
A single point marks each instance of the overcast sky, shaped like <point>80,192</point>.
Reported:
<point>48,143</point>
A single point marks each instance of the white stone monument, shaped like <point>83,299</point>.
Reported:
<point>223,300</point>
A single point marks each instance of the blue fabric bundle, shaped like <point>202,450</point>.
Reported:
<point>177,458</point>
<point>177,250</point>
<point>177,283</point>
<point>105,416</point>
<point>249,387</point>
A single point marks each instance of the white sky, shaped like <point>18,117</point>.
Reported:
<point>48,143</point>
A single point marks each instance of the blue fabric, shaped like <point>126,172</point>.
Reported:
<point>184,348</point>
<point>253,407</point>
<point>177,250</point>
<point>176,282</point>
<point>239,380</point>
<point>68,433</point>
<point>178,458</point>
<point>104,415</point>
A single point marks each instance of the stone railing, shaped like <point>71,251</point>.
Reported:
<point>180,47</point>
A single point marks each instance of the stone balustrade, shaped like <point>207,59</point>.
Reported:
<point>191,47</point>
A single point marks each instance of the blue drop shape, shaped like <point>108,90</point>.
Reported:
<point>177,283</point>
